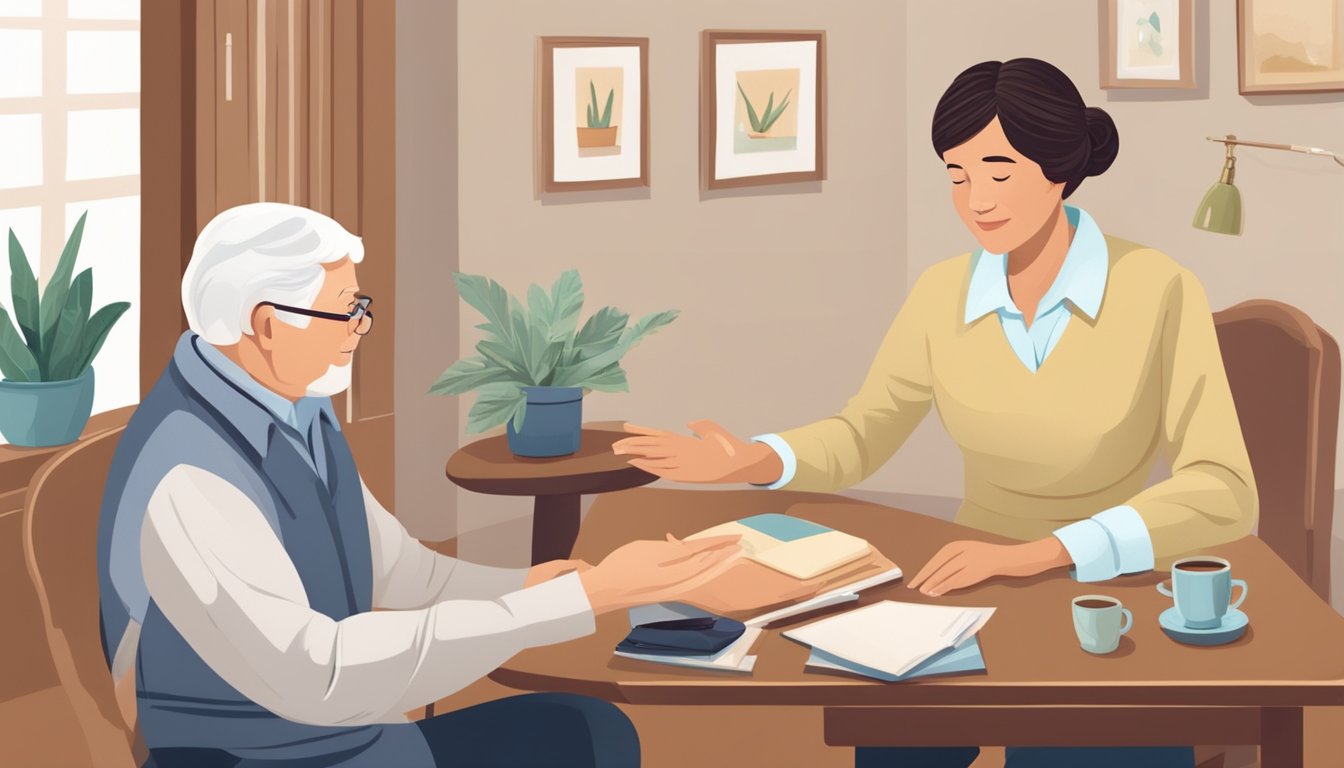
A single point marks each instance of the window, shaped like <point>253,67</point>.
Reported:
<point>70,143</point>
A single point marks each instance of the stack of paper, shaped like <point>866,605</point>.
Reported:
<point>896,641</point>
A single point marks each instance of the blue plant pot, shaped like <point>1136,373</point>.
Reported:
<point>36,414</point>
<point>552,423</point>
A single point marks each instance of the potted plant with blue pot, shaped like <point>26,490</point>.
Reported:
<point>46,394</point>
<point>535,363</point>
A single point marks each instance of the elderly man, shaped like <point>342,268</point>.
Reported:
<point>241,555</point>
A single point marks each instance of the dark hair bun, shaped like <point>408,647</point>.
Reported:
<point>1104,140</point>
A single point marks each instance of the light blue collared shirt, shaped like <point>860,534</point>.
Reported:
<point>1115,540</point>
<point>300,417</point>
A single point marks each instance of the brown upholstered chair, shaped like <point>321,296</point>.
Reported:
<point>1284,373</point>
<point>60,535</point>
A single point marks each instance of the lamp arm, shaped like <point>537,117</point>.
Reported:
<point>1232,140</point>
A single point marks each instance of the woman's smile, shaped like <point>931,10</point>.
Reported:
<point>987,225</point>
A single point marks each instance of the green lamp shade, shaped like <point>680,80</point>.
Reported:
<point>1220,210</point>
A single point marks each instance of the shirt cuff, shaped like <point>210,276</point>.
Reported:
<point>781,447</point>
<point>1109,543</point>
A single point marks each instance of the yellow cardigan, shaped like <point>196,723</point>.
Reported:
<point>1078,436</point>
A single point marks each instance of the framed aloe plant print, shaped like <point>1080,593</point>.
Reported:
<point>594,120</point>
<point>762,107</point>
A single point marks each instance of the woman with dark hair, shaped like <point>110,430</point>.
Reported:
<point>1063,361</point>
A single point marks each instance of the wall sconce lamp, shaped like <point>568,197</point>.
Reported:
<point>1220,210</point>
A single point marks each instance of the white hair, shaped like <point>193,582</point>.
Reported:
<point>260,252</point>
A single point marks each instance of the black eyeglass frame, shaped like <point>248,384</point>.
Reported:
<point>361,310</point>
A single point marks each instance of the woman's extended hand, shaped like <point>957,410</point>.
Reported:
<point>963,564</point>
<point>712,455</point>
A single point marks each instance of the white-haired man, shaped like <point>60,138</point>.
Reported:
<point>240,555</point>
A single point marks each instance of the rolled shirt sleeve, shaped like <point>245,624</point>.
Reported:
<point>223,579</point>
<point>786,455</point>
<point>1109,543</point>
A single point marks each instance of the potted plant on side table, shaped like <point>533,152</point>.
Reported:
<point>535,363</point>
<point>46,394</point>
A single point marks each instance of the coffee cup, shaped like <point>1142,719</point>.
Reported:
<point>1202,588</point>
<point>1099,621</point>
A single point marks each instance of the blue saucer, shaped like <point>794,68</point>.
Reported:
<point>1233,626</point>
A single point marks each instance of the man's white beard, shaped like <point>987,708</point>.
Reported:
<point>336,379</point>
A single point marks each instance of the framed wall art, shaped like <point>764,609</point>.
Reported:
<point>594,117</point>
<point>1147,43</point>
<point>1290,46</point>
<point>762,107</point>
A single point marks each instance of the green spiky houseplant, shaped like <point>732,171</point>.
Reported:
<point>537,347</point>
<point>599,119</point>
<point>766,120</point>
<point>47,392</point>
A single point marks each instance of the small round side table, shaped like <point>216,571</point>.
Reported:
<point>488,466</point>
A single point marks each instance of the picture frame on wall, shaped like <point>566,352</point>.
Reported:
<point>1147,43</point>
<point>1290,46</point>
<point>594,119</point>
<point>762,107</point>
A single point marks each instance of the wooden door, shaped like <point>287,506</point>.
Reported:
<point>288,101</point>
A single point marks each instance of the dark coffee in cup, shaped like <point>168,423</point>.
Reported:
<point>1200,565</point>
<point>1095,603</point>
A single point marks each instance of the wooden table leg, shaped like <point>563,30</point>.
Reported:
<point>1281,737</point>
<point>555,526</point>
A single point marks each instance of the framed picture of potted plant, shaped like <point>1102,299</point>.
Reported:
<point>594,121</point>
<point>46,393</point>
<point>762,107</point>
<point>536,363</point>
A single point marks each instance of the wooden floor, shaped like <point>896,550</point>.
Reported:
<point>35,728</point>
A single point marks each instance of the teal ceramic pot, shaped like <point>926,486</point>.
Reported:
<point>35,414</point>
<point>552,424</point>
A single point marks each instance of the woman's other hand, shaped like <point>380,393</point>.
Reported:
<point>711,455</point>
<point>963,564</point>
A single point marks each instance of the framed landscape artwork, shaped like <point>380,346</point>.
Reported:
<point>594,120</point>
<point>1290,46</point>
<point>1147,43</point>
<point>762,107</point>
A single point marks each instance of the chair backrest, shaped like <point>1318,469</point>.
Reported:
<point>60,541</point>
<point>1284,373</point>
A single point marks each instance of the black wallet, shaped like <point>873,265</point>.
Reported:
<point>703,636</point>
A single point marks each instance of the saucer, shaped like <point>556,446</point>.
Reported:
<point>1233,626</point>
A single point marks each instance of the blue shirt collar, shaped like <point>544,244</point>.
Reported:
<point>253,409</point>
<point>1081,279</point>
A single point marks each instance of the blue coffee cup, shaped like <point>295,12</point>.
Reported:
<point>1202,588</point>
<point>1099,621</point>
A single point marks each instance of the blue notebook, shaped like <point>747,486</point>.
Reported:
<point>961,659</point>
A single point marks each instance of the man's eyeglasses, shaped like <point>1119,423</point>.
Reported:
<point>359,321</point>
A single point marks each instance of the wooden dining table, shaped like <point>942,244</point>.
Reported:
<point>1039,689</point>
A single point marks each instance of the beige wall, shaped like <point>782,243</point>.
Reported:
<point>426,427</point>
<point>784,291</point>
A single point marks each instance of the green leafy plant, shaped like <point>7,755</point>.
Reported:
<point>604,120</point>
<point>538,346</point>
<point>766,121</point>
<point>60,338</point>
